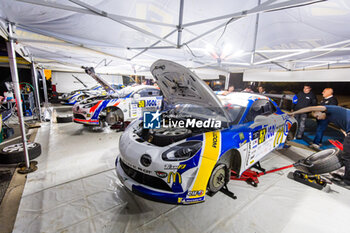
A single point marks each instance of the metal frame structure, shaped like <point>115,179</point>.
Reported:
<point>267,6</point>
<point>15,81</point>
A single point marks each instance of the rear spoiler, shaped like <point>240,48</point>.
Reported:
<point>282,97</point>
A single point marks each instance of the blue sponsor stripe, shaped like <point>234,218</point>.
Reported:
<point>99,109</point>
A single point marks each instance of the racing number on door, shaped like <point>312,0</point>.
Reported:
<point>141,104</point>
<point>262,135</point>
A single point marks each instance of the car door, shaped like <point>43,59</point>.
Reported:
<point>262,130</point>
<point>147,99</point>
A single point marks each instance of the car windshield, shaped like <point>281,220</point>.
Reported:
<point>235,111</point>
<point>124,92</point>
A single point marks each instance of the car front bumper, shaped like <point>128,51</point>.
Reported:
<point>150,193</point>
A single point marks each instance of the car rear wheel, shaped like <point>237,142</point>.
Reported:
<point>218,178</point>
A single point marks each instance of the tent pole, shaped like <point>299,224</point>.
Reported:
<point>255,36</point>
<point>36,89</point>
<point>15,81</point>
<point>152,45</point>
<point>179,27</point>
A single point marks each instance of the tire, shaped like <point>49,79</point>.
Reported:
<point>217,178</point>
<point>14,153</point>
<point>64,119</point>
<point>324,161</point>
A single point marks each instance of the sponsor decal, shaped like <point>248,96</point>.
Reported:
<point>174,167</point>
<point>241,136</point>
<point>271,131</point>
<point>279,137</point>
<point>195,193</point>
<point>254,143</point>
<point>242,143</point>
<point>192,200</point>
<point>174,177</point>
<point>287,126</point>
<point>161,174</point>
<point>151,103</point>
<point>215,140</point>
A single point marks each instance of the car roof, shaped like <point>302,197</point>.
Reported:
<point>240,98</point>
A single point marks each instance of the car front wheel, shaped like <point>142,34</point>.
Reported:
<point>218,178</point>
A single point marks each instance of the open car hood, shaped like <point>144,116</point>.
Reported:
<point>179,85</point>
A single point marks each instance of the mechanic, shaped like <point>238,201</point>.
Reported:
<point>229,90</point>
<point>261,90</point>
<point>248,89</point>
<point>340,117</point>
<point>328,99</point>
<point>303,99</point>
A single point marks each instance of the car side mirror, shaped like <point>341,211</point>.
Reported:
<point>137,96</point>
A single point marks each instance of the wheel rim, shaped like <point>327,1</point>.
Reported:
<point>17,147</point>
<point>217,180</point>
<point>321,155</point>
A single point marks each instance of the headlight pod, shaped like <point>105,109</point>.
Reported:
<point>182,151</point>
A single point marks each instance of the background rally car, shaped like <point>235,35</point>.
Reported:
<point>80,95</point>
<point>179,165</point>
<point>124,105</point>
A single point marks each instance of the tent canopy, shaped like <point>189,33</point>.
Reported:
<point>127,36</point>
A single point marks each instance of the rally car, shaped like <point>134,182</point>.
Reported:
<point>79,95</point>
<point>177,156</point>
<point>122,106</point>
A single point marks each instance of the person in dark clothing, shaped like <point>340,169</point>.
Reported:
<point>303,99</point>
<point>328,99</point>
<point>341,118</point>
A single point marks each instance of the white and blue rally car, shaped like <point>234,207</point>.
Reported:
<point>79,95</point>
<point>124,105</point>
<point>199,141</point>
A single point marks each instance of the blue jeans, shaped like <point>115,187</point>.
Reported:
<point>321,127</point>
<point>301,118</point>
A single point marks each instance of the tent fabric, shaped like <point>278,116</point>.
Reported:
<point>67,39</point>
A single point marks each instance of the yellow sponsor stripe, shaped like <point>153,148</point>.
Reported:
<point>209,158</point>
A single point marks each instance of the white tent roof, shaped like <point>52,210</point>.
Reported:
<point>113,35</point>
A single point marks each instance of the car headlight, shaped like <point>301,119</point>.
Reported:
<point>182,151</point>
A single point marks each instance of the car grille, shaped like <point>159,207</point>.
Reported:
<point>79,116</point>
<point>142,178</point>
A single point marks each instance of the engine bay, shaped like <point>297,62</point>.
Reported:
<point>164,136</point>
